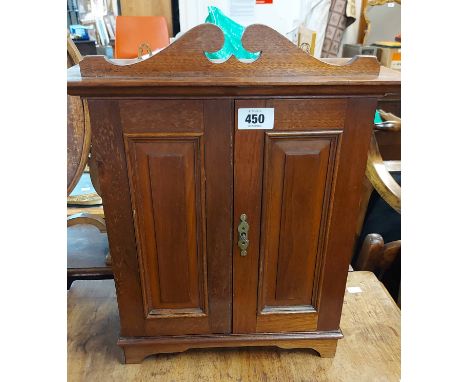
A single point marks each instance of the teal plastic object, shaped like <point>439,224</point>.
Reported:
<point>377,118</point>
<point>232,38</point>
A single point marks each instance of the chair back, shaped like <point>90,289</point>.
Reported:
<point>78,129</point>
<point>132,31</point>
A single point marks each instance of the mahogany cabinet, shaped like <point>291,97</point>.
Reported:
<point>222,234</point>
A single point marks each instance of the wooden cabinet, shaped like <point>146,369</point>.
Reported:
<point>181,183</point>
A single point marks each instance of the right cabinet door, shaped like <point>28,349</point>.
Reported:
<point>296,185</point>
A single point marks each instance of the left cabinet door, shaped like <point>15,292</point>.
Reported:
<point>179,169</point>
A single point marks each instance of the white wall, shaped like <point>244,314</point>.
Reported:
<point>285,16</point>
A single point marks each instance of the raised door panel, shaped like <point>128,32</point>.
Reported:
<point>298,175</point>
<point>181,222</point>
<point>168,197</point>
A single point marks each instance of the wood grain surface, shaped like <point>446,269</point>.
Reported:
<point>248,154</point>
<point>166,186</point>
<point>186,56</point>
<point>136,349</point>
<point>344,210</point>
<point>112,168</point>
<point>369,351</point>
<point>168,217</point>
<point>219,199</point>
<point>182,68</point>
<point>298,172</point>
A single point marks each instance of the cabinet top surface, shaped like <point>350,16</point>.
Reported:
<point>184,64</point>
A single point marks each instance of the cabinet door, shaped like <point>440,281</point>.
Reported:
<point>179,160</point>
<point>298,184</point>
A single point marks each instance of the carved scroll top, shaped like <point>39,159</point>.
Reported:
<point>186,57</point>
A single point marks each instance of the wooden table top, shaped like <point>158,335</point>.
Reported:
<point>369,351</point>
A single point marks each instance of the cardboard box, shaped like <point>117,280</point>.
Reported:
<point>389,54</point>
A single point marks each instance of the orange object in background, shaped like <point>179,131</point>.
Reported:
<point>132,31</point>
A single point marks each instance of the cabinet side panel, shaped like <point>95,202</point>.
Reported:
<point>344,214</point>
<point>109,151</point>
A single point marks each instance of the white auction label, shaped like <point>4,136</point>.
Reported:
<point>255,118</point>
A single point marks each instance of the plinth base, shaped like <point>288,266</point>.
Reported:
<point>137,348</point>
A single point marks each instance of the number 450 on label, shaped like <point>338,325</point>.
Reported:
<point>255,119</point>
